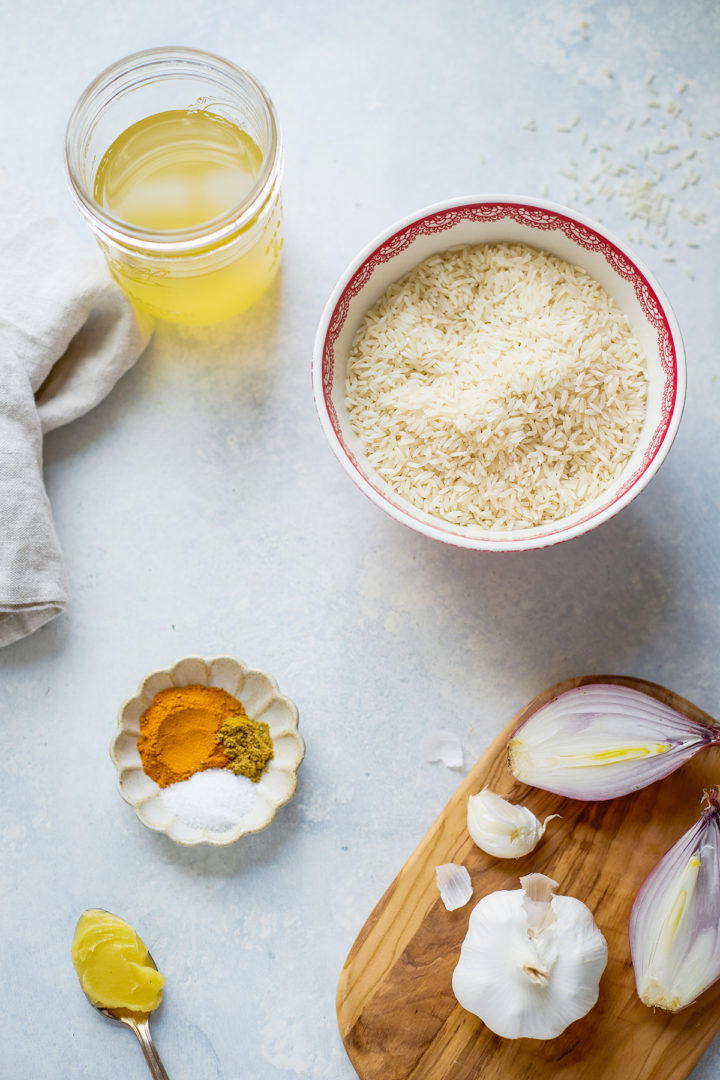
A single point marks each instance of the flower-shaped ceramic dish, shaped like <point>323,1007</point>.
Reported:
<point>261,700</point>
<point>503,219</point>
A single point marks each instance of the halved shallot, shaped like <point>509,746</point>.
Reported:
<point>603,740</point>
<point>675,920</point>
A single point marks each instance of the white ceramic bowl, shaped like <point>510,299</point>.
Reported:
<point>261,700</point>
<point>496,219</point>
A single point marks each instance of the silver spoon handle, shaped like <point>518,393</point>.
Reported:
<point>155,1065</point>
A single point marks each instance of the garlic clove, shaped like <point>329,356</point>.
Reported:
<point>603,740</point>
<point>454,884</point>
<point>444,746</point>
<point>501,828</point>
<point>675,920</point>
<point>530,974</point>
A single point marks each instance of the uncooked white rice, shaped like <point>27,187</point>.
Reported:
<point>498,386</point>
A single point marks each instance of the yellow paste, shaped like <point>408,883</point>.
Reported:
<point>113,964</point>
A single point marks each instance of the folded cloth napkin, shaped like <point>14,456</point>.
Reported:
<point>67,334</point>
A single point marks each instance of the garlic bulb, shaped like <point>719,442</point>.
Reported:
<point>602,740</point>
<point>675,920</point>
<point>501,828</point>
<point>531,962</point>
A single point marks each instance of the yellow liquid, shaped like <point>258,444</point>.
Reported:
<point>113,964</point>
<point>180,170</point>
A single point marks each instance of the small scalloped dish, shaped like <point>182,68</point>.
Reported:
<point>261,699</point>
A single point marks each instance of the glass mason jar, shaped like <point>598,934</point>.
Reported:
<point>208,271</point>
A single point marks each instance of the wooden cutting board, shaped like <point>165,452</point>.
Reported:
<point>398,1017</point>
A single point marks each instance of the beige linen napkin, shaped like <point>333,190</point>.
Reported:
<point>67,334</point>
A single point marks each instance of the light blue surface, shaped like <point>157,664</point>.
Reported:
<point>201,511</point>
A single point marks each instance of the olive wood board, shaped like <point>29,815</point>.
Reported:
<point>397,1014</point>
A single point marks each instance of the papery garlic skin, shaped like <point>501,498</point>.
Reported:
<point>444,746</point>
<point>675,920</point>
<point>603,740</point>
<point>453,881</point>
<point>501,828</point>
<point>530,973</point>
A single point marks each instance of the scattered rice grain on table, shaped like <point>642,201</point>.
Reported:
<point>497,385</point>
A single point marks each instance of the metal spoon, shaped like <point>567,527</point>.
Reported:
<point>140,1024</point>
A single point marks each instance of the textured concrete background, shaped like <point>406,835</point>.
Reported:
<point>201,511</point>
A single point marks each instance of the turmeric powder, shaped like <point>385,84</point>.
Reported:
<point>178,732</point>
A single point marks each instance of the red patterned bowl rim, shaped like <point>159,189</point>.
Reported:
<point>540,215</point>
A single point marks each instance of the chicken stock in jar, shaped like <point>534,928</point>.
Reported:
<point>174,158</point>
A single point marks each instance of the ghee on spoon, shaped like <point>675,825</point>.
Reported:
<point>119,977</point>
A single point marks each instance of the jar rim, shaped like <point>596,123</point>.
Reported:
<point>207,233</point>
